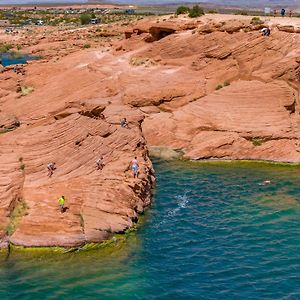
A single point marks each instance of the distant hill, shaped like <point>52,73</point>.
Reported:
<point>237,3</point>
<point>4,2</point>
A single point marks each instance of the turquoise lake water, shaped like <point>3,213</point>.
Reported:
<point>212,233</point>
<point>7,60</point>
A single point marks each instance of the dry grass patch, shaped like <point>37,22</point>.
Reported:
<point>141,61</point>
<point>26,90</point>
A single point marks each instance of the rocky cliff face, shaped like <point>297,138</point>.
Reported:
<point>209,88</point>
<point>71,118</point>
<point>225,93</point>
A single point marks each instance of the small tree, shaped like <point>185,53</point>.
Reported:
<point>182,10</point>
<point>196,11</point>
<point>85,19</point>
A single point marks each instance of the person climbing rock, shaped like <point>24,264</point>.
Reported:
<point>266,31</point>
<point>124,123</point>
<point>61,202</point>
<point>51,167</point>
<point>99,163</point>
<point>135,167</point>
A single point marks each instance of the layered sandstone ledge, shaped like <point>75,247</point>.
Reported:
<point>207,88</point>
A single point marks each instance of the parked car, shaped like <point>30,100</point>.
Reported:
<point>39,22</point>
<point>95,21</point>
<point>9,30</point>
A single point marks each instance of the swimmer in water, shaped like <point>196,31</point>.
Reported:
<point>265,182</point>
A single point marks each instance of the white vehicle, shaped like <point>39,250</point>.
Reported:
<point>9,30</point>
<point>39,22</point>
<point>95,21</point>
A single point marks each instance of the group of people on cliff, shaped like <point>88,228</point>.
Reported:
<point>134,166</point>
<point>267,31</point>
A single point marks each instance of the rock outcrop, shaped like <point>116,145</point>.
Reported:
<point>69,120</point>
<point>204,89</point>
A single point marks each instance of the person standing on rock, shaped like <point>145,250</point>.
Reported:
<point>99,163</point>
<point>135,167</point>
<point>61,202</point>
<point>282,12</point>
<point>51,167</point>
<point>124,123</point>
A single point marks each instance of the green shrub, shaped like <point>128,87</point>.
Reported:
<point>243,13</point>
<point>196,11</point>
<point>257,141</point>
<point>256,21</point>
<point>219,86</point>
<point>4,48</point>
<point>85,19</point>
<point>86,46</point>
<point>182,10</point>
<point>226,83</point>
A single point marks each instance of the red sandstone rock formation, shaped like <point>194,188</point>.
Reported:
<point>72,117</point>
<point>211,89</point>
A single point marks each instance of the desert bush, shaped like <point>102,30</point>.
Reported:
<point>226,83</point>
<point>243,13</point>
<point>142,61</point>
<point>219,86</point>
<point>196,11</point>
<point>138,61</point>
<point>257,141</point>
<point>182,10</point>
<point>256,21</point>
<point>4,48</point>
<point>86,46</point>
<point>26,90</point>
<point>85,19</point>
